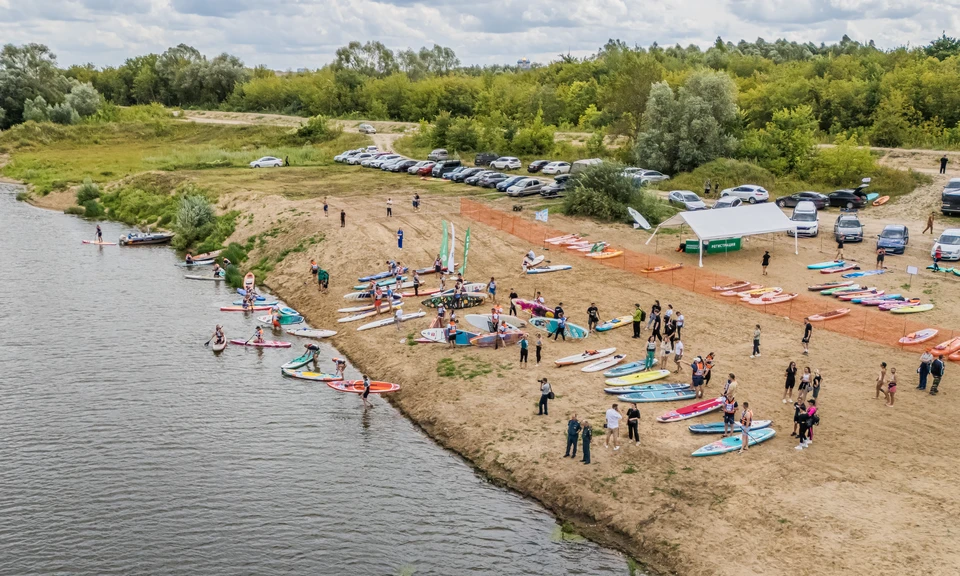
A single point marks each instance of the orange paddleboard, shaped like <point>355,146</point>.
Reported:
<point>661,268</point>
<point>881,201</point>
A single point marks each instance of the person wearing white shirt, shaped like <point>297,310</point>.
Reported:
<point>678,355</point>
<point>613,428</point>
<point>665,351</point>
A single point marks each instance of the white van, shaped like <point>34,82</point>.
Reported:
<point>805,216</point>
<point>581,165</point>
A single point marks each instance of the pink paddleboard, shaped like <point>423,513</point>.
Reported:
<point>691,410</point>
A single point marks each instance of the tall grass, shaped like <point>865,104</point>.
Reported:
<point>198,158</point>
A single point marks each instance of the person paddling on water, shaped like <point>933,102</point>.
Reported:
<point>189,258</point>
<point>216,270</point>
<point>218,337</point>
<point>258,336</point>
<point>99,234</point>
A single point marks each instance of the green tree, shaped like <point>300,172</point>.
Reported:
<point>194,219</point>
<point>26,73</point>
<point>370,59</point>
<point>535,138</point>
<point>36,110</point>
<point>943,47</point>
<point>64,113</point>
<point>84,98</point>
<point>892,121</point>
<point>843,163</point>
<point>632,73</point>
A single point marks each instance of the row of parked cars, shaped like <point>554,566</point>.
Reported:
<point>453,170</point>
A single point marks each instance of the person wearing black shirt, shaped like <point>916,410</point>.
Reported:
<point>513,307</point>
<point>558,311</point>
<point>807,331</point>
<point>654,311</point>
<point>839,255</point>
<point>593,317</point>
<point>633,424</point>
<point>765,262</point>
<point>573,433</point>
<point>587,436</point>
<point>343,218</point>
<point>656,328</point>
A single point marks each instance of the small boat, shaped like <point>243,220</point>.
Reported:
<point>264,344</point>
<point>881,201</point>
<point>196,263</point>
<point>829,315</point>
<point>314,376</point>
<point>249,281</point>
<point>146,238</point>
<point>311,332</point>
<point>207,255</point>
<point>919,336</point>
<point>299,361</point>
<point>356,386</point>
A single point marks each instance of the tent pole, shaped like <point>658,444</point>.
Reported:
<point>700,242</point>
<point>796,249</point>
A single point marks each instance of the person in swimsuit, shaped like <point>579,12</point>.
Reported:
<point>189,259</point>
<point>366,391</point>
<point>99,234</point>
<point>218,336</point>
<point>258,337</point>
<point>891,387</point>
<point>881,380</point>
<point>746,421</point>
<point>881,252</point>
<point>216,270</point>
<point>339,366</point>
<point>790,382</point>
<point>804,388</point>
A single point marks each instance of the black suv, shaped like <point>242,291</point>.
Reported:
<point>484,158</point>
<point>444,167</point>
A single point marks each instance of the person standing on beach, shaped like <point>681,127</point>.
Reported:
<point>892,388</point>
<point>656,328</point>
<point>545,391</point>
<point>678,355</point>
<point>593,317</point>
<point>756,342</point>
<point>573,432</point>
<point>651,360</point>
<point>654,312</point>
<point>587,437</point>
<point>665,352</point>
<point>389,207</point>
<point>807,332</point>
<point>398,318</point>
<point>937,370</point>
<point>613,427</point>
<point>708,363</point>
<point>668,315</point>
<point>637,320</point>
<point>524,345</point>
<point>790,383</point>
<point>765,262</point>
<point>513,306</point>
<point>451,334</point>
<point>697,368</point>
<point>881,253</point>
<point>926,360</point>
<point>881,380</point>
<point>633,424</point>
<point>558,310</point>
<point>729,416</point>
<point>343,218</point>
<point>807,420</point>
<point>400,238</point>
<point>804,387</point>
<point>561,329</point>
<point>937,255</point>
<point>539,348</point>
<point>326,208</point>
<point>492,289</point>
<point>839,255</point>
<point>416,202</point>
<point>943,164</point>
<point>746,421</point>
<point>929,224</point>
<point>679,323</point>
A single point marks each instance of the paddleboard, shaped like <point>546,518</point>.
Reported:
<point>207,255</point>
<point>692,410</point>
<point>284,319</point>
<point>604,254</point>
<point>369,314</point>
<point>439,336</point>
<point>534,262</point>
<point>559,239</point>
<point>604,363</point>
<point>356,386</point>
<point>397,302</point>
<point>299,361</point>
<point>468,300</point>
<point>546,269</point>
<point>243,292</point>
<point>219,347</point>
<point>717,427</point>
<point>829,315</point>
<point>614,323</point>
<point>585,356</point>
<point>919,336</point>
<point>380,275</point>
<point>878,301</point>
<point>241,309</point>
<point>259,303</point>
<point>311,332</point>
<point>95,243</point>
<point>637,378</point>
<point>946,348</point>
<point>829,285</point>
<point>483,321</point>
<point>911,309</point>
<point>249,281</point>
<point>741,290</point>
<point>631,368</point>
<point>872,196</point>
<point>314,376</point>
<point>550,325</point>
<point>862,273</point>
<point>658,396</point>
<point>196,263</point>
<point>210,278</point>
<point>821,265</point>
<point>840,289</point>
<point>897,304</point>
<point>861,295</point>
<point>488,340</point>
<point>774,299</point>
<point>732,286</point>
<point>389,282</point>
<point>389,321</point>
<point>842,268</point>
<point>264,344</point>
<point>638,218</point>
<point>666,268</point>
<point>733,443</point>
<point>646,388</point>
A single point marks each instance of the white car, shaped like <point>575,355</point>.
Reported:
<point>557,168</point>
<point>506,163</point>
<point>267,162</point>
<point>358,158</point>
<point>686,200</point>
<point>727,202</point>
<point>366,129</point>
<point>949,243</point>
<point>652,176</point>
<point>342,157</point>
<point>748,193</point>
<point>631,170</point>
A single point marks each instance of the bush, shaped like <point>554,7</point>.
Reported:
<point>844,163</point>
<point>726,173</point>
<point>87,191</point>
<point>75,210</point>
<point>603,192</point>
<point>64,114</point>
<point>319,129</point>
<point>195,219</point>
<point>92,209</point>
<point>36,110</point>
<point>84,99</point>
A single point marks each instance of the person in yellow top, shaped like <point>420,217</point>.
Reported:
<point>638,315</point>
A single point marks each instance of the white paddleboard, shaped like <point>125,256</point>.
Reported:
<point>535,261</point>
<point>584,357</point>
<point>397,302</point>
<point>311,332</point>
<point>389,321</point>
<point>638,218</point>
<point>604,363</point>
<point>482,321</point>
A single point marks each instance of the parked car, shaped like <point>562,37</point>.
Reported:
<point>502,186</point>
<point>426,169</point>
<point>849,228</point>
<point>377,156</point>
<point>748,193</point>
<point>465,173</point>
<point>950,198</point>
<point>438,154</point>
<point>267,162</point>
<point>949,244</point>
<point>403,166</point>
<point>556,188</point>
<point>556,168</point>
<point>819,200</point>
<point>525,187</point>
<point>847,199</point>
<point>580,165</point>
<point>506,163</point>
<point>492,179</point>
<point>686,200</point>
<point>449,175</point>
<point>387,165</point>
<point>727,202</point>
<point>366,129</point>
<point>536,166</point>
<point>894,238</point>
<point>806,219</point>
<point>343,156</point>
<point>648,176</point>
<point>631,170</point>
<point>484,158</point>
<point>474,179</point>
<point>378,162</point>
<point>443,167</point>
<point>416,167</point>
<point>355,160</point>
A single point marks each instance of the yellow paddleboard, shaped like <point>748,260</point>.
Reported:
<point>638,378</point>
<point>615,323</point>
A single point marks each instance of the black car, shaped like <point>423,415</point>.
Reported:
<point>492,179</point>
<point>402,166</point>
<point>484,158</point>
<point>819,200</point>
<point>444,167</point>
<point>847,199</point>
<point>504,184</point>
<point>556,188</point>
<point>475,179</point>
<point>537,165</point>
<point>464,174</point>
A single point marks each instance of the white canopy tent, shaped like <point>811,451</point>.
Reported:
<point>736,222</point>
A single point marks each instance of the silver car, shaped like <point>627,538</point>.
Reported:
<point>686,200</point>
<point>525,187</point>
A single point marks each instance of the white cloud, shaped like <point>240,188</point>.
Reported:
<point>305,33</point>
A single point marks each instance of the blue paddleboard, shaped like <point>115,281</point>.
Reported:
<point>733,443</point>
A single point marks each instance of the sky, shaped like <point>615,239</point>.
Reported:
<point>306,33</point>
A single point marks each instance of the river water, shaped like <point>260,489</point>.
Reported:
<point>126,447</point>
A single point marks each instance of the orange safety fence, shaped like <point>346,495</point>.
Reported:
<point>863,322</point>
